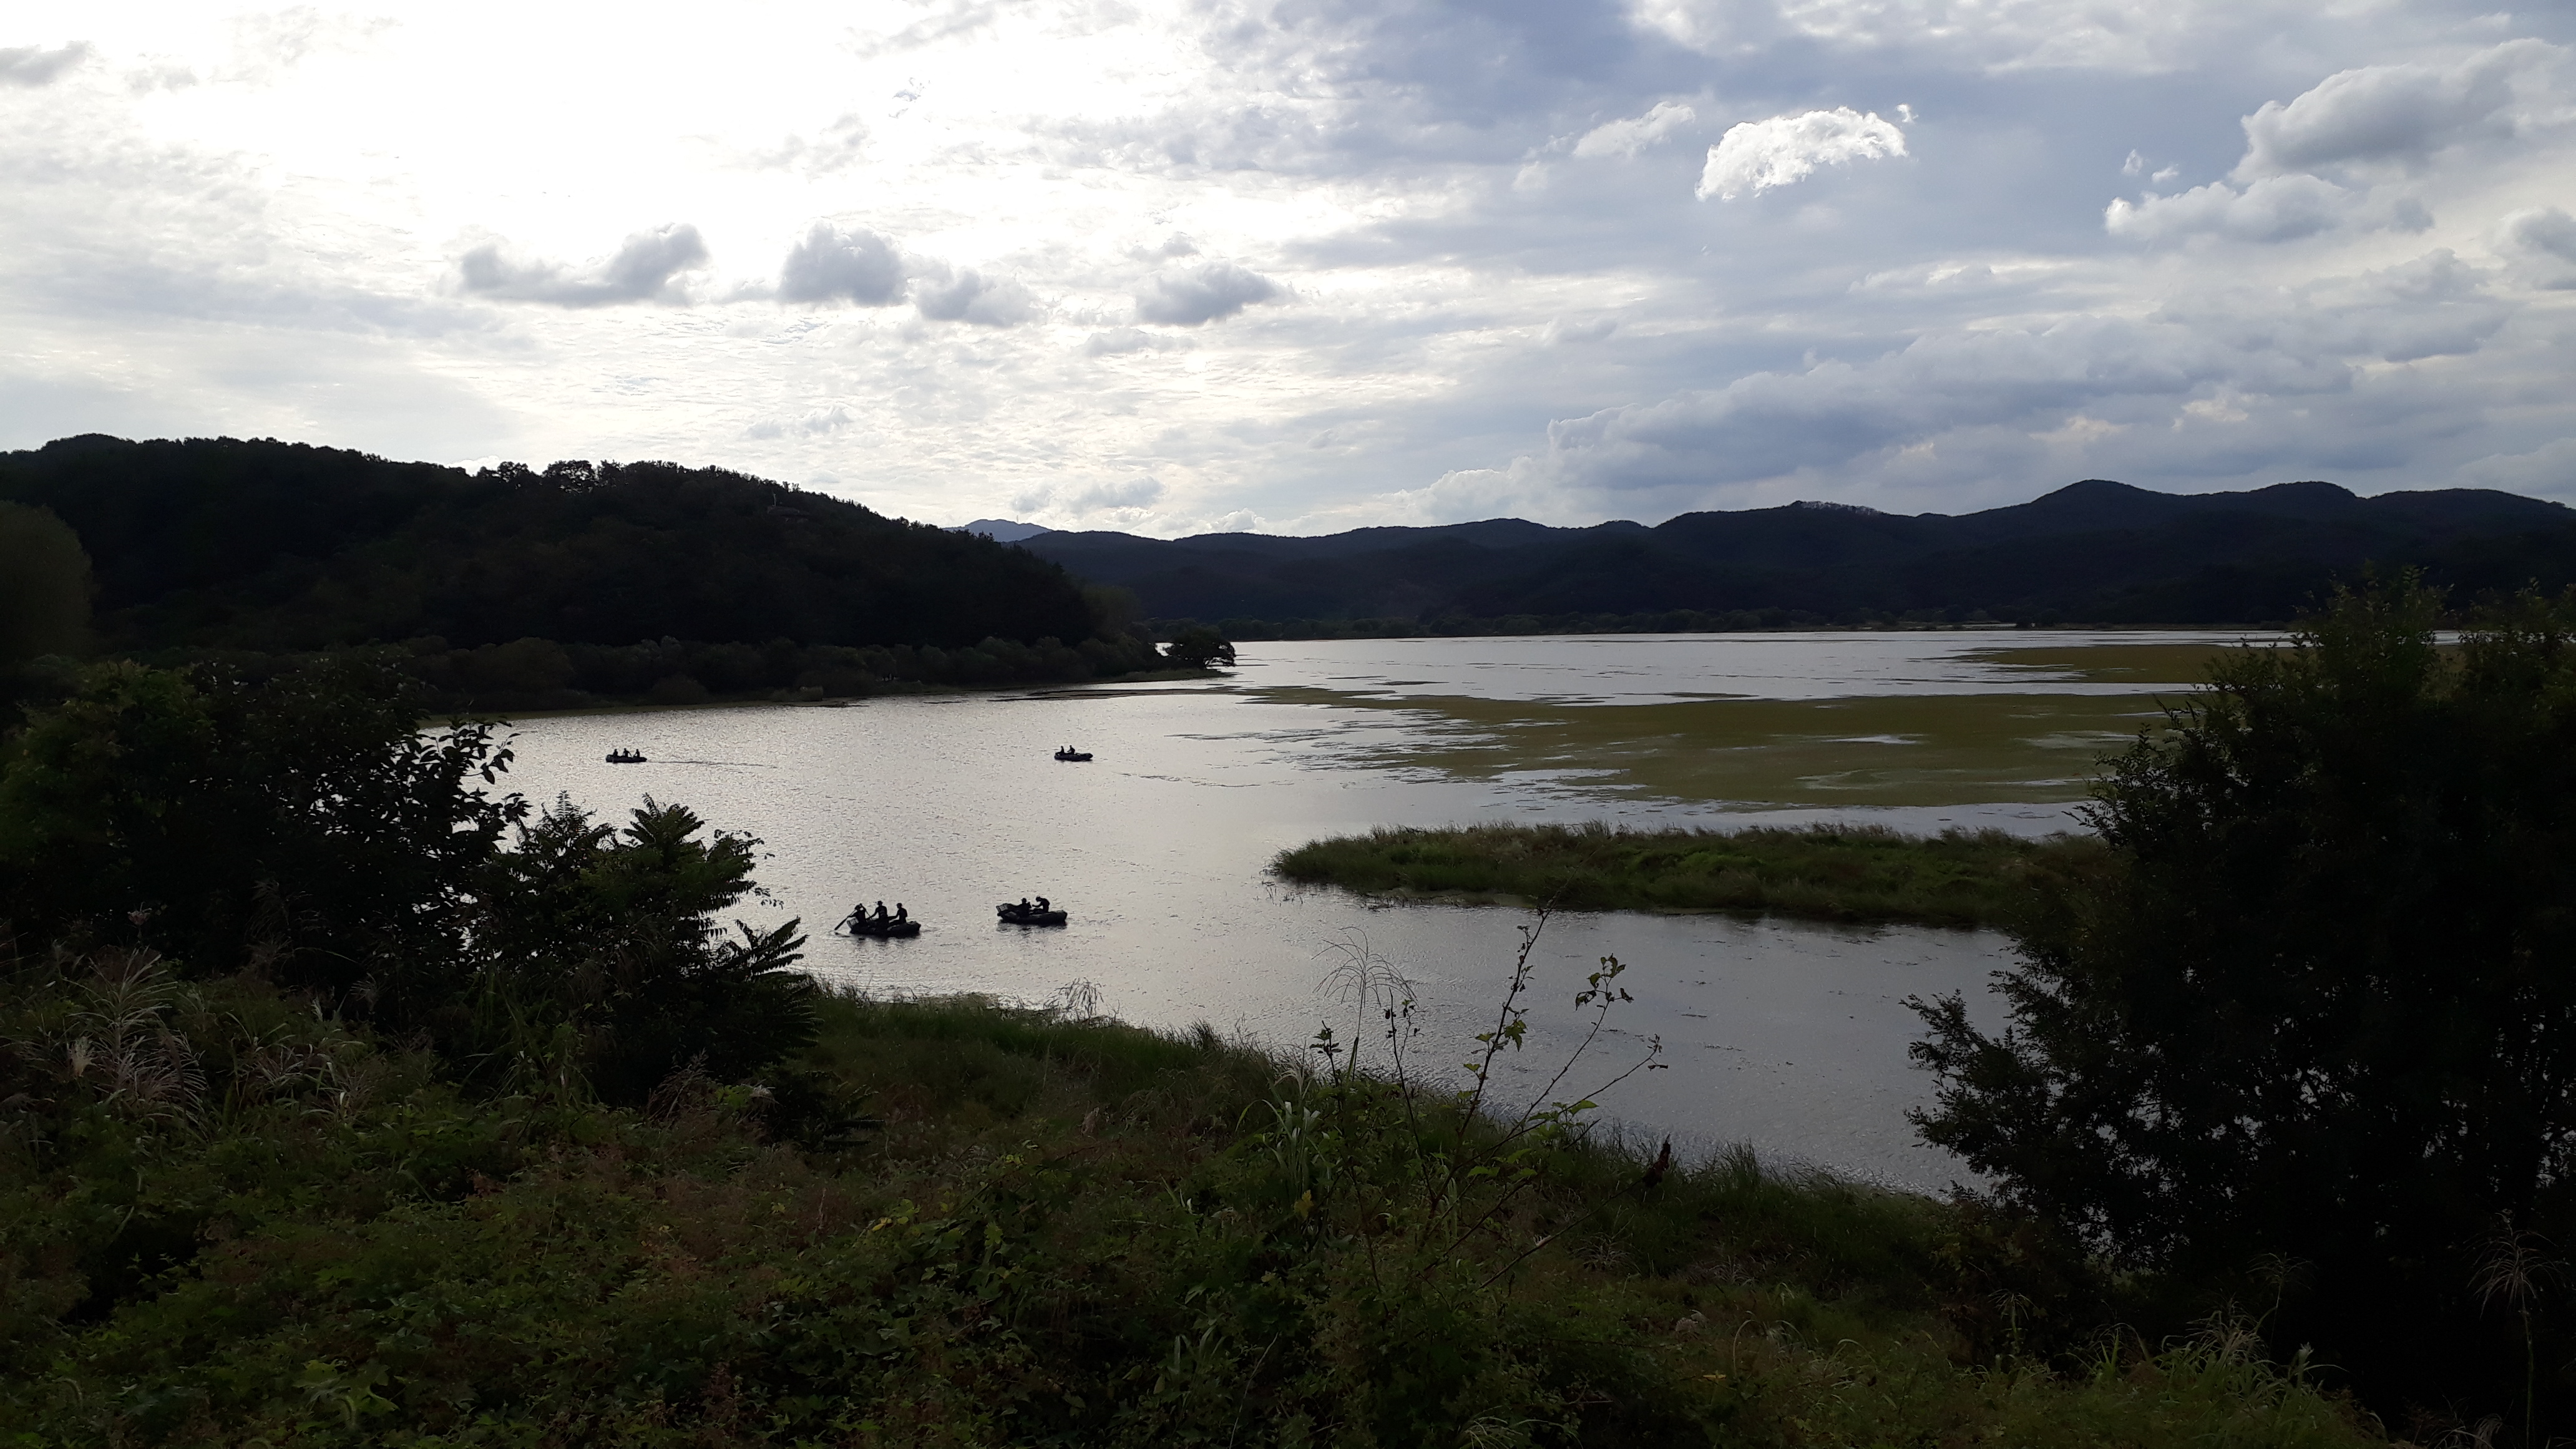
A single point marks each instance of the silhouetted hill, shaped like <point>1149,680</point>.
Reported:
<point>1003,530</point>
<point>277,546</point>
<point>2094,550</point>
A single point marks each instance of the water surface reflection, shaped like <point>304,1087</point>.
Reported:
<point>1791,1036</point>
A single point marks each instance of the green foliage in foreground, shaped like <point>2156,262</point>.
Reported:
<point>303,827</point>
<point>230,1220</point>
<point>1834,873</point>
<point>2320,1022</point>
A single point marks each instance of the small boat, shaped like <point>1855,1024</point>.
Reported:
<point>1015,914</point>
<point>1073,756</point>
<point>626,757</point>
<point>879,928</point>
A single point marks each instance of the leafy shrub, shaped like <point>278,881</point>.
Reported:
<point>2312,1021</point>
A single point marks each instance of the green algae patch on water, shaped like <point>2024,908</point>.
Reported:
<point>2137,664</point>
<point>1865,874</point>
<point>1857,751</point>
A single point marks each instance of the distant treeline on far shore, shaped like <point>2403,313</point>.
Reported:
<point>542,674</point>
<point>514,588</point>
<point>1670,621</point>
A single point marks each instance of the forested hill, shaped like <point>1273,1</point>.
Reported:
<point>2093,551</point>
<point>262,545</point>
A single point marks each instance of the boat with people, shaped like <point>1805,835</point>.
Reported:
<point>625,757</point>
<point>879,926</point>
<point>1073,756</point>
<point>1022,913</point>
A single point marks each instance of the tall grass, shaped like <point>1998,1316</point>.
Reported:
<point>1045,1228</point>
<point>1839,873</point>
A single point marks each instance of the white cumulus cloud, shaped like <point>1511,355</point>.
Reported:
<point>832,265</point>
<point>812,424</point>
<point>645,269</point>
<point>2273,209</point>
<point>31,65</point>
<point>1118,341</point>
<point>2394,114</point>
<point>970,296</point>
<point>1628,137</point>
<point>2542,243</point>
<point>1205,293</point>
<point>1756,156</point>
<point>1126,498</point>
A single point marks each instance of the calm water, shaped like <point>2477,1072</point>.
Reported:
<point>1789,1036</point>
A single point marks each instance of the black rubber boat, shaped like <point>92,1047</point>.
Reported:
<point>888,928</point>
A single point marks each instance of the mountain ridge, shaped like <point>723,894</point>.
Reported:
<point>2095,549</point>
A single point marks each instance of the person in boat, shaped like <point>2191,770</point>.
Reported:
<point>1042,905</point>
<point>900,913</point>
<point>881,915</point>
<point>1024,905</point>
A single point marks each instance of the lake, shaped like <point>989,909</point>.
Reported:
<point>1789,1035</point>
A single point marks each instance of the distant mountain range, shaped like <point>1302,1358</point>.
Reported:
<point>1003,530</point>
<point>2095,551</point>
<point>262,545</point>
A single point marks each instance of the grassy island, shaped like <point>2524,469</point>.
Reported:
<point>1836,873</point>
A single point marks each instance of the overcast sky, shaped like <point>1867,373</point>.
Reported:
<point>1173,267</point>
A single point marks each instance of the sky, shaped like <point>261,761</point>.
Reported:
<point>1179,266</point>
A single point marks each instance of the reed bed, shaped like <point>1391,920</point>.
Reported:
<point>1826,872</point>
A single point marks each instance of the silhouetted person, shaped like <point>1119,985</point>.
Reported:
<point>899,912</point>
<point>881,915</point>
<point>1042,905</point>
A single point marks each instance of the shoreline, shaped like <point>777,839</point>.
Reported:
<point>902,690</point>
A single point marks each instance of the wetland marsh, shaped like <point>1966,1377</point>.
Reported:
<point>1788,1034</point>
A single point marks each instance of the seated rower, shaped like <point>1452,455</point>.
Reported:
<point>900,913</point>
<point>1042,905</point>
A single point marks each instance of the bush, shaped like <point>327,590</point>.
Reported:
<point>2315,1024</point>
<point>597,957</point>
<point>1199,647</point>
<point>301,821</point>
<point>676,689</point>
<point>304,827</point>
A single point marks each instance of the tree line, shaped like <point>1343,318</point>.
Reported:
<point>520,588</point>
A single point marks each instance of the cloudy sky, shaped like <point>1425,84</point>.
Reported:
<point>1303,265</point>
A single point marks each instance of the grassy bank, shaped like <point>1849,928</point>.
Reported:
<point>1034,1229</point>
<point>1836,873</point>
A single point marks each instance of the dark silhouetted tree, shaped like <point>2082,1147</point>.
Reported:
<point>44,585</point>
<point>2322,1008</point>
<point>1199,647</point>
